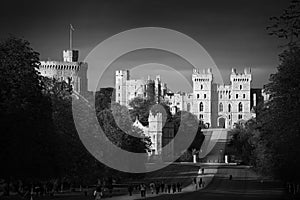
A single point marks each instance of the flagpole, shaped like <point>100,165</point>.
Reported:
<point>70,37</point>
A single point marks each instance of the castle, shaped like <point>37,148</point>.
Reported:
<point>128,89</point>
<point>217,106</point>
<point>68,70</point>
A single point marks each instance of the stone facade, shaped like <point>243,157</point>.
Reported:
<point>161,135</point>
<point>128,89</point>
<point>153,130</point>
<point>69,70</point>
<point>217,106</point>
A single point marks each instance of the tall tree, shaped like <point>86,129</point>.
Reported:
<point>25,114</point>
<point>280,131</point>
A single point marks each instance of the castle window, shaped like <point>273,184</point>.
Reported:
<point>228,116</point>
<point>244,96</point>
<point>119,87</point>
<point>204,96</point>
<point>198,96</point>
<point>229,107</point>
<point>221,96</point>
<point>221,107</point>
<point>241,87</point>
<point>240,116</point>
<point>201,116</point>
<point>201,107</point>
<point>240,108</point>
<point>119,94</point>
<point>229,96</point>
<point>201,87</point>
<point>236,96</point>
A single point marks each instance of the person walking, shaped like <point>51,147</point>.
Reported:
<point>143,190</point>
<point>169,188</point>
<point>98,193</point>
<point>162,186</point>
<point>174,187</point>
<point>195,183</point>
<point>178,187</point>
<point>152,186</point>
<point>157,187</point>
<point>130,189</point>
<point>200,182</point>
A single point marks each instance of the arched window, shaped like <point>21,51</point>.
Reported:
<point>240,107</point>
<point>229,107</point>
<point>201,107</point>
<point>201,87</point>
<point>221,107</point>
<point>188,107</point>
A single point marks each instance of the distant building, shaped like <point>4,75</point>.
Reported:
<point>160,136</point>
<point>217,106</point>
<point>68,70</point>
<point>127,89</point>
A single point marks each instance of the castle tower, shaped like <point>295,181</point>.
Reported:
<point>70,55</point>
<point>240,99</point>
<point>121,88</point>
<point>202,93</point>
<point>155,132</point>
<point>69,70</point>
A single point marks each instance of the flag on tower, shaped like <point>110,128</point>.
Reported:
<point>71,27</point>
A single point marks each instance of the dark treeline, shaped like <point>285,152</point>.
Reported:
<point>271,141</point>
<point>38,140</point>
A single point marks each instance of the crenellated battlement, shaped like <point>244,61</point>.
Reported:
<point>202,71</point>
<point>155,117</point>
<point>58,65</point>
<point>241,77</point>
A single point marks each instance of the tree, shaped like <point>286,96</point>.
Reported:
<point>243,141</point>
<point>287,25</point>
<point>25,115</point>
<point>141,108</point>
<point>278,145</point>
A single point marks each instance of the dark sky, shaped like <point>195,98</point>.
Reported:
<point>232,31</point>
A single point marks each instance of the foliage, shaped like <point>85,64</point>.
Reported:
<point>141,108</point>
<point>287,25</point>
<point>243,141</point>
<point>280,120</point>
<point>39,140</point>
<point>26,139</point>
<point>279,141</point>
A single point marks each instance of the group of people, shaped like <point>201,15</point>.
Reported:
<point>103,185</point>
<point>198,183</point>
<point>156,187</point>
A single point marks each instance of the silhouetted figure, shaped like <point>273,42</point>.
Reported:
<point>178,187</point>
<point>98,193</point>
<point>162,187</point>
<point>174,187</point>
<point>130,189</point>
<point>200,183</point>
<point>152,187</point>
<point>157,187</point>
<point>169,188</point>
<point>143,190</point>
